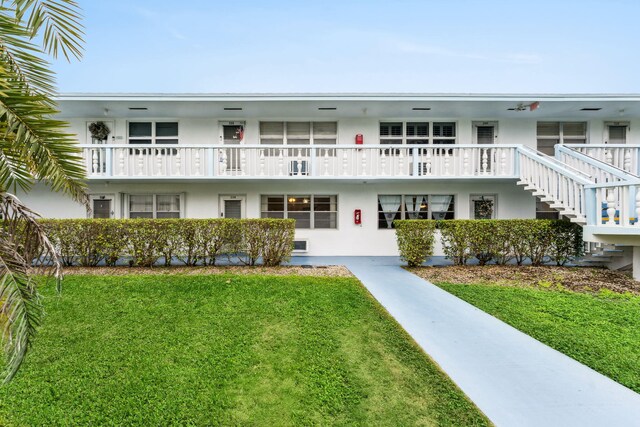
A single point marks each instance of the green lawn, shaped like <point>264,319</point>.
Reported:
<point>226,350</point>
<point>602,331</point>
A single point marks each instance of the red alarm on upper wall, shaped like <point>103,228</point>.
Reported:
<point>359,139</point>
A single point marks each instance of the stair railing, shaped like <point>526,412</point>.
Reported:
<point>562,183</point>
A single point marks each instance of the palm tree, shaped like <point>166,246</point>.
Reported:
<point>34,146</point>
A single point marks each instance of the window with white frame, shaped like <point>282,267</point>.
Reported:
<point>549,134</point>
<point>154,206</point>
<point>309,211</point>
<point>298,133</point>
<point>414,206</point>
<point>417,132</point>
<point>153,133</point>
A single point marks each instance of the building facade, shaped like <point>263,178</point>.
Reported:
<point>345,166</point>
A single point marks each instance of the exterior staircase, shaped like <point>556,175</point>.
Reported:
<point>592,192</point>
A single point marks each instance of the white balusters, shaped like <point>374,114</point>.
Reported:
<point>243,161</point>
<point>485,161</point>
<point>326,162</point>
<point>296,161</point>
<point>262,162</point>
<point>608,156</point>
<point>299,163</point>
<point>428,162</point>
<point>94,161</point>
<point>197,162</point>
<point>140,161</point>
<point>400,170</point>
<point>447,162</point>
<point>465,162</point>
<point>178,162</point>
<point>223,162</point>
<point>627,160</point>
<point>121,162</point>
<point>611,207</point>
<point>345,162</point>
<point>158,162</point>
<point>637,210</point>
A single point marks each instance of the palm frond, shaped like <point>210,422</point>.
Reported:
<point>61,22</point>
<point>22,240</point>
<point>21,59</point>
<point>34,145</point>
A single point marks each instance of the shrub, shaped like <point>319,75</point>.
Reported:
<point>503,240</point>
<point>415,240</point>
<point>566,243</point>
<point>147,240</point>
<point>77,240</point>
<point>278,240</point>
<point>456,240</point>
<point>88,242</point>
<point>187,239</point>
<point>482,239</point>
<point>227,237</point>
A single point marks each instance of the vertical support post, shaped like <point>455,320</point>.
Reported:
<point>211,163</point>
<point>611,207</point>
<point>591,205</point>
<point>108,161</point>
<point>416,160</point>
<point>312,162</point>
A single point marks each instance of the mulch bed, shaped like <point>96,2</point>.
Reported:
<point>318,271</point>
<point>579,279</point>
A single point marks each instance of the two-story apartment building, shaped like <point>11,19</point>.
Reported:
<point>346,165</point>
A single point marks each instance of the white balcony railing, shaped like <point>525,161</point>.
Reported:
<point>298,161</point>
<point>625,157</point>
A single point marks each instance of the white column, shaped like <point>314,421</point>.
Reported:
<point>636,262</point>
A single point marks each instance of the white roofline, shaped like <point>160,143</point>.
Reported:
<point>415,97</point>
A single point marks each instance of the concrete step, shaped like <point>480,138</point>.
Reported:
<point>613,252</point>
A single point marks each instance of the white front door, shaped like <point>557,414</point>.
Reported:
<point>232,207</point>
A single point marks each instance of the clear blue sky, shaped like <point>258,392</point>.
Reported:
<point>357,46</point>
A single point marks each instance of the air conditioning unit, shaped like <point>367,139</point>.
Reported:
<point>300,246</point>
<point>296,168</point>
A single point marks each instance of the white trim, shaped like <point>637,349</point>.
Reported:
<point>476,123</point>
<point>154,139</point>
<point>474,197</point>
<point>102,196</point>
<point>605,136</point>
<point>306,246</point>
<point>243,204</point>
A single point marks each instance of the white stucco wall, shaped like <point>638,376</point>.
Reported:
<point>201,200</point>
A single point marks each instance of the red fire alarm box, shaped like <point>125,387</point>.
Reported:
<point>359,139</point>
<point>357,217</point>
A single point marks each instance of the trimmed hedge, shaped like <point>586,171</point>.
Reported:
<point>499,241</point>
<point>415,240</point>
<point>88,242</point>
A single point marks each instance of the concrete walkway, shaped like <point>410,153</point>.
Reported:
<point>514,379</point>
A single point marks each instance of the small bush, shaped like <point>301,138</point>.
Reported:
<point>456,240</point>
<point>415,240</point>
